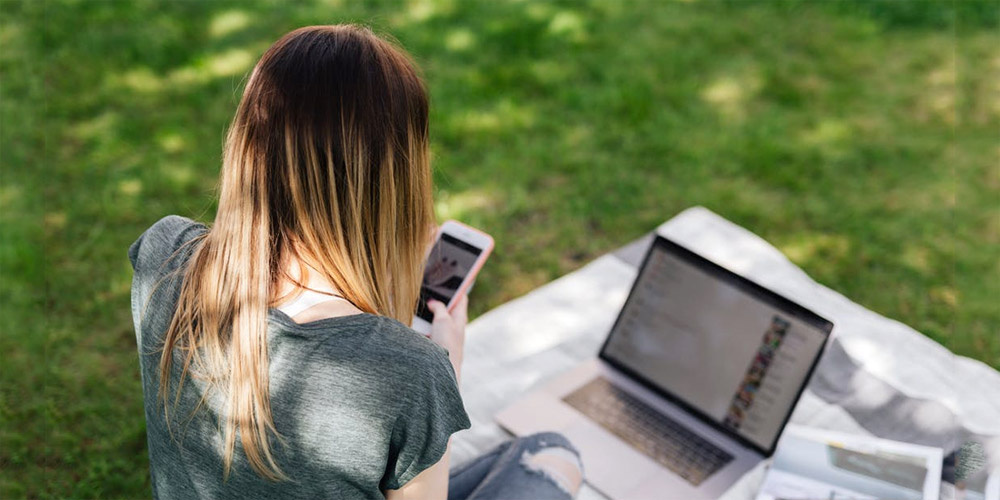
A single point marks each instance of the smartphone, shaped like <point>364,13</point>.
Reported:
<point>458,254</point>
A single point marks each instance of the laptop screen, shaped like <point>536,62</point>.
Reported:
<point>722,345</point>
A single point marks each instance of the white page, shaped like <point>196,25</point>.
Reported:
<point>813,463</point>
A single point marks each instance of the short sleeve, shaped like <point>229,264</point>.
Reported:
<point>159,242</point>
<point>151,257</point>
<point>133,250</point>
<point>426,421</point>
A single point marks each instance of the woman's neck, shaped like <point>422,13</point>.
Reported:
<point>300,275</point>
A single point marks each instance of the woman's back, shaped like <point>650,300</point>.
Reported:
<point>362,402</point>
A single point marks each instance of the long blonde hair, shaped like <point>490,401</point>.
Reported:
<point>326,161</point>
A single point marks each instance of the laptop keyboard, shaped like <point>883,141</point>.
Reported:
<point>654,434</point>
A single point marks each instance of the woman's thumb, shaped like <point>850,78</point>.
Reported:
<point>438,308</point>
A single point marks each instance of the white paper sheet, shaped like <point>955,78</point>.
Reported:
<point>812,463</point>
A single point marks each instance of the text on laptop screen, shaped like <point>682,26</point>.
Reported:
<point>736,356</point>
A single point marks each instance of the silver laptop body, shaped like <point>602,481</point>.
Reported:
<point>692,387</point>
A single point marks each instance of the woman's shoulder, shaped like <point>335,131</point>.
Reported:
<point>162,240</point>
<point>421,374</point>
<point>404,341</point>
<point>403,355</point>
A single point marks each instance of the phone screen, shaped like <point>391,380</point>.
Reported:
<point>449,262</point>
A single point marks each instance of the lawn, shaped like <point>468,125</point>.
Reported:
<point>862,139</point>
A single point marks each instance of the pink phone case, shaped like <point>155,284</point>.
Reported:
<point>469,278</point>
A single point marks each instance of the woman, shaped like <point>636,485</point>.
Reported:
<point>275,358</point>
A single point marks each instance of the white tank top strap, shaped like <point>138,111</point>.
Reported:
<point>305,300</point>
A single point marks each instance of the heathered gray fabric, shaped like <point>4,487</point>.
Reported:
<point>363,403</point>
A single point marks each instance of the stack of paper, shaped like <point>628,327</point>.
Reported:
<point>819,464</point>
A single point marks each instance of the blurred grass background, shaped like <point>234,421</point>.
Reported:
<point>861,138</point>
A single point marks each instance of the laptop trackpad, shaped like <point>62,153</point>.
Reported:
<point>609,465</point>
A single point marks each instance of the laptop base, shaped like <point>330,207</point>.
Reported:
<point>612,466</point>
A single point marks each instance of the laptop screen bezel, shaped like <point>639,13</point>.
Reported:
<point>744,284</point>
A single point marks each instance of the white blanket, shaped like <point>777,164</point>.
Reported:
<point>878,376</point>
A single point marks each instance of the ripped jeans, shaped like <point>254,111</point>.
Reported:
<point>508,472</point>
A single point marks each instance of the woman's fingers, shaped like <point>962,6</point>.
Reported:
<point>438,308</point>
<point>459,311</point>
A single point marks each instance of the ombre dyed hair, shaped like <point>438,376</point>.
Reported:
<point>326,162</point>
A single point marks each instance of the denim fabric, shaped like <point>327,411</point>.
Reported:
<point>500,474</point>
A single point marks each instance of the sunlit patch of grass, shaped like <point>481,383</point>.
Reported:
<point>231,62</point>
<point>130,187</point>
<point>55,220</point>
<point>458,205</point>
<point>568,24</point>
<point>730,94</point>
<point>141,80</point>
<point>172,142</point>
<point>939,93</point>
<point>421,11</point>
<point>827,133</point>
<point>227,22</point>
<point>102,125</point>
<point>8,195</point>
<point>917,258</point>
<point>805,249</point>
<point>505,115</point>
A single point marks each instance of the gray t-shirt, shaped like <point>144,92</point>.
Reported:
<point>362,402</point>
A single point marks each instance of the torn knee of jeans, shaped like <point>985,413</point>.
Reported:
<point>557,464</point>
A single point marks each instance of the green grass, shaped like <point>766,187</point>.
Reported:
<point>861,138</point>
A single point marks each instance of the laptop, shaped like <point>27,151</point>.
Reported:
<point>692,387</point>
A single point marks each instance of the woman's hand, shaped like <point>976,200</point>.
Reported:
<point>448,329</point>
